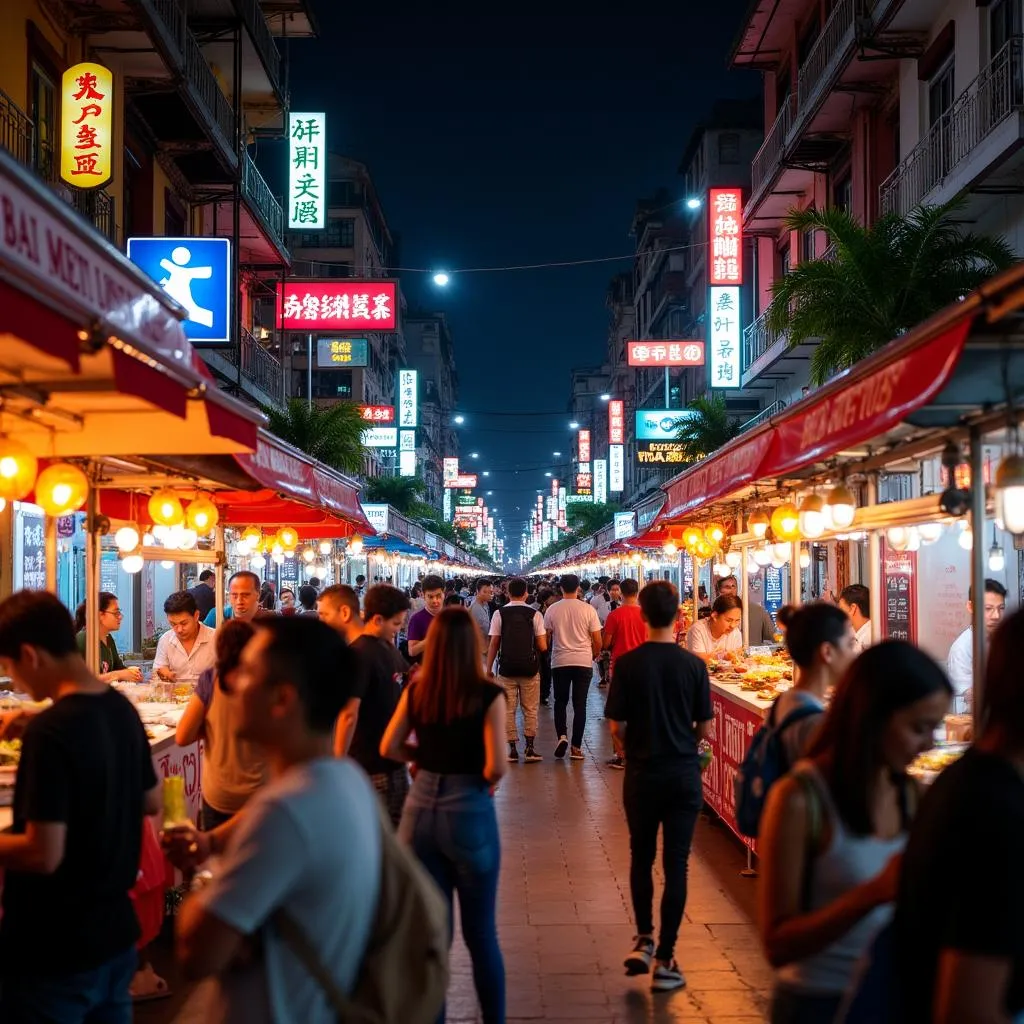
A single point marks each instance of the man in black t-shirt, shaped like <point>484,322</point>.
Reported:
<point>659,706</point>
<point>68,933</point>
<point>365,717</point>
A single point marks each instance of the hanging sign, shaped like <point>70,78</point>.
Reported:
<point>349,305</point>
<point>617,422</point>
<point>338,353</point>
<point>407,398</point>
<point>725,224</point>
<point>724,329</point>
<point>584,446</point>
<point>616,468</point>
<point>624,525</point>
<point>307,172</point>
<point>87,125</point>
<point>665,353</point>
<point>600,481</point>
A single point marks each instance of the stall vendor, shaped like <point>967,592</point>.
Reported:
<point>960,664</point>
<point>112,668</point>
<point>718,635</point>
<point>855,600</point>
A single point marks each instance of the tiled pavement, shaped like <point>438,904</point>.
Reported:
<point>564,918</point>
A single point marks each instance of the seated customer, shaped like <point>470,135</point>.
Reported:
<point>719,635</point>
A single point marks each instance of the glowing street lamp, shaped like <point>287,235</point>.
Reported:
<point>460,419</point>
<point>574,425</point>
<point>693,203</point>
<point>441,279</point>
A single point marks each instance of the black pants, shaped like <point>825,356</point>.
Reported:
<point>545,675</point>
<point>671,800</point>
<point>576,679</point>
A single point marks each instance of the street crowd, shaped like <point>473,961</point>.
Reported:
<point>353,742</point>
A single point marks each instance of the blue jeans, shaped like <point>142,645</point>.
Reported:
<point>97,996</point>
<point>450,824</point>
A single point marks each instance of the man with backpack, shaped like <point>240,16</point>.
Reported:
<point>517,640</point>
<point>823,645</point>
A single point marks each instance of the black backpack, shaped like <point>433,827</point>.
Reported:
<point>517,654</point>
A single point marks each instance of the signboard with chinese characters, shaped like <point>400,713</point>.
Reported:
<point>338,353</point>
<point>407,441</point>
<point>344,305</point>
<point>899,573</point>
<point>380,437</point>
<point>665,353</point>
<point>196,273</point>
<point>449,470</point>
<point>446,505</point>
<point>725,224</point>
<point>561,499</point>
<point>307,172</point>
<point>377,516</point>
<point>617,421</point>
<point>660,424</point>
<point>724,337</point>
<point>616,468</point>
<point>30,550</point>
<point>660,452</point>
<point>465,481</point>
<point>407,398</point>
<point>584,483</point>
<point>378,413</point>
<point>579,499</point>
<point>624,525</point>
<point>87,124</point>
<point>584,446</point>
<point>465,498</point>
<point>600,481</point>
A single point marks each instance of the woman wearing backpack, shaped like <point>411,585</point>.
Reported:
<point>449,818</point>
<point>834,828</point>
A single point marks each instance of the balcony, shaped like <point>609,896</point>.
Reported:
<point>15,130</point>
<point>250,368</point>
<point>97,207</point>
<point>763,416</point>
<point>981,130</point>
<point>834,46</point>
<point>769,156</point>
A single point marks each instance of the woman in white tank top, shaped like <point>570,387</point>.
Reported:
<point>834,828</point>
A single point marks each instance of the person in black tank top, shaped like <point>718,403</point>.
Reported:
<point>449,818</point>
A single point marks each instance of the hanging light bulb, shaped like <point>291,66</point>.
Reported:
<point>242,549</point>
<point>721,570</point>
<point>758,523</point>
<point>325,547</point>
<point>166,565</point>
<point>355,546</point>
<point>276,549</point>
<point>61,488</point>
<point>966,538</point>
<point>930,532</point>
<point>843,505</point>
<point>288,538</point>
<point>692,535</point>
<point>127,538</point>
<point>308,555</point>
<point>253,536</point>
<point>148,540</point>
<point>785,522</point>
<point>781,552</point>
<point>201,515</point>
<point>753,567</point>
<point>811,518</point>
<point>714,534</point>
<point>187,539</point>
<point>913,539</point>
<point>897,537</point>
<point>132,563</point>
<point>18,469</point>
<point>733,559</point>
<point>289,554</point>
<point>161,533</point>
<point>670,549</point>
<point>805,558</point>
<point>278,559</point>
<point>777,563</point>
<point>762,555</point>
<point>257,562</point>
<point>165,508</point>
<point>1009,486</point>
<point>996,557</point>
<point>310,570</point>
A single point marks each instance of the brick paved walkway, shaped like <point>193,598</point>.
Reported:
<point>564,918</point>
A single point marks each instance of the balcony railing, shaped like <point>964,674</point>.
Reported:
<point>763,416</point>
<point>261,367</point>
<point>259,194</point>
<point>199,73</point>
<point>837,35</point>
<point>758,338</point>
<point>770,153</point>
<point>256,22</point>
<point>97,207</point>
<point>995,94</point>
<point>15,130</point>
<point>173,17</point>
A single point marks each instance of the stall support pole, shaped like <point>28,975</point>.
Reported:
<point>795,579</point>
<point>50,542</point>
<point>875,565</point>
<point>92,580</point>
<point>742,589</point>
<point>218,573</point>
<point>977,573</point>
<point>309,371</point>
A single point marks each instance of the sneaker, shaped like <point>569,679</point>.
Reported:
<point>618,761</point>
<point>667,977</point>
<point>576,754</point>
<point>513,752</point>
<point>639,960</point>
<point>545,703</point>
<point>563,746</point>
<point>532,755</point>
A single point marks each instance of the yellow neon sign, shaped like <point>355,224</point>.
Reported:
<point>87,125</point>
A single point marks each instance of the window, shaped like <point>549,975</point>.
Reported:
<point>339,233</point>
<point>785,259</point>
<point>43,111</point>
<point>328,384</point>
<point>1004,21</point>
<point>940,91</point>
<point>807,245</point>
<point>842,193</point>
<point>729,148</point>
<point>342,193</point>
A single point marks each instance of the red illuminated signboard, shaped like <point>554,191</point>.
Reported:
<point>584,448</point>
<point>350,304</point>
<point>617,422</point>
<point>465,482</point>
<point>378,413</point>
<point>665,353</point>
<point>725,242</point>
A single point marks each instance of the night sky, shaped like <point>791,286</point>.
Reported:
<point>496,141</point>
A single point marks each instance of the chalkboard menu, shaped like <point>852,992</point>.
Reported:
<point>31,559</point>
<point>899,571</point>
<point>289,573</point>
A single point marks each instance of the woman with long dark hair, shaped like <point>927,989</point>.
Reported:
<point>834,828</point>
<point>112,668</point>
<point>458,717</point>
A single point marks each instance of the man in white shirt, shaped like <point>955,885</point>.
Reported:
<point>575,639</point>
<point>188,648</point>
<point>960,663</point>
<point>855,600</point>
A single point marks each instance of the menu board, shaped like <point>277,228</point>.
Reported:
<point>772,590</point>
<point>30,557</point>
<point>108,571</point>
<point>899,575</point>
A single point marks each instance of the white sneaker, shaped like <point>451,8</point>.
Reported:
<point>563,746</point>
<point>667,979</point>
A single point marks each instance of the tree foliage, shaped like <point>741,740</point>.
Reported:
<point>707,428</point>
<point>881,281</point>
<point>332,434</point>
<point>585,518</point>
<point>403,493</point>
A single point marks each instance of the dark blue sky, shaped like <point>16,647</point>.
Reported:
<point>495,141</point>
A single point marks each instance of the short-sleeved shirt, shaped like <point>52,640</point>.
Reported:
<point>455,747</point>
<point>379,688</point>
<point>961,886</point>
<point>110,658</point>
<point>700,641</point>
<point>86,764</point>
<point>205,598</point>
<point>624,631</point>
<point>659,691</point>
<point>482,617</point>
<point>418,625</point>
<point>187,666</point>
<point>571,623</point>
<point>538,620</point>
<point>309,843</point>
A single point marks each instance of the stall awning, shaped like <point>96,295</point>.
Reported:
<point>394,546</point>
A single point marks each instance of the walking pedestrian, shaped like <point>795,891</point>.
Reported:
<point>449,817</point>
<point>659,704</point>
<point>575,632</point>
<point>624,631</point>
<point>833,829</point>
<point>482,608</point>
<point>517,642</point>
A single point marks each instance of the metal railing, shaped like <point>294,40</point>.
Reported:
<point>97,207</point>
<point>995,94</point>
<point>763,416</point>
<point>256,22</point>
<point>259,194</point>
<point>173,17</point>
<point>202,78</point>
<point>836,37</point>
<point>769,155</point>
<point>261,367</point>
<point>758,338</point>
<point>15,130</point>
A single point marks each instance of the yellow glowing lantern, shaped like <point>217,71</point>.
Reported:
<point>670,549</point>
<point>252,536</point>
<point>165,508</point>
<point>703,550</point>
<point>757,524</point>
<point>691,536</point>
<point>714,534</point>
<point>785,522</point>
<point>308,555</point>
<point>355,546</point>
<point>18,468</point>
<point>61,488</point>
<point>288,538</point>
<point>201,515</point>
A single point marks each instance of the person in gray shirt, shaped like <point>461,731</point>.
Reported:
<point>482,610</point>
<point>759,622</point>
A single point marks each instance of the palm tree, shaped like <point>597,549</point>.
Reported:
<point>403,493</point>
<point>707,428</point>
<point>585,518</point>
<point>332,434</point>
<point>883,280</point>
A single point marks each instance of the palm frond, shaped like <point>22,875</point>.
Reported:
<point>331,434</point>
<point>707,428</point>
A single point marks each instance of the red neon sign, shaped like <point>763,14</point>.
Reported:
<point>664,353</point>
<point>584,446</point>
<point>347,305</point>
<point>725,242</point>
<point>466,482</point>
<point>378,413</point>
<point>617,422</point>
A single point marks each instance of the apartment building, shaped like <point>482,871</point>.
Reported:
<point>876,106</point>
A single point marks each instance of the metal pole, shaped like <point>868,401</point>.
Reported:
<point>50,541</point>
<point>218,573</point>
<point>977,574</point>
<point>742,589</point>
<point>309,369</point>
<point>794,573</point>
<point>236,206</point>
<point>668,404</point>
<point>875,565</point>
<point>92,580</point>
